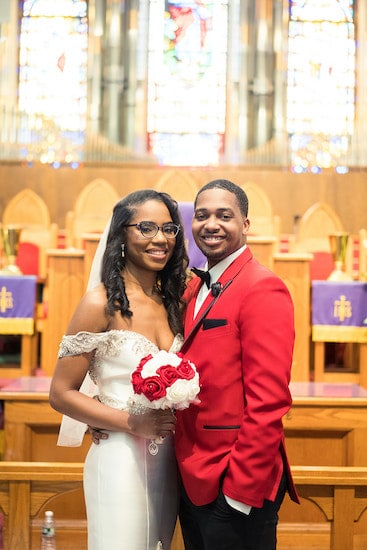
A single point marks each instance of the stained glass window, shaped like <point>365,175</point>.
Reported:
<point>53,79</point>
<point>187,66</point>
<point>321,82</point>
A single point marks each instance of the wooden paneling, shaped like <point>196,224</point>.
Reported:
<point>91,211</point>
<point>90,243</point>
<point>314,227</point>
<point>31,431</point>
<point>65,287</point>
<point>290,194</point>
<point>294,270</point>
<point>327,430</point>
<point>263,248</point>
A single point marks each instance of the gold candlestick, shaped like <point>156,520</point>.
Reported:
<point>338,244</point>
<point>10,235</point>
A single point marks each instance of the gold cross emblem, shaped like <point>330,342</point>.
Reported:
<point>6,300</point>
<point>342,308</point>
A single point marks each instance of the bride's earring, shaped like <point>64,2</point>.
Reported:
<point>123,250</point>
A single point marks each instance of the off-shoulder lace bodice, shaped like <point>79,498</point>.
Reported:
<point>116,354</point>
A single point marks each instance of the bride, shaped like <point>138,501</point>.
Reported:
<point>130,493</point>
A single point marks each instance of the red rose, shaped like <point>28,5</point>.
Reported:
<point>168,374</point>
<point>153,388</point>
<point>144,360</point>
<point>136,380</point>
<point>185,370</point>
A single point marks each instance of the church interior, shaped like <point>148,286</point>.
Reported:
<point>99,98</point>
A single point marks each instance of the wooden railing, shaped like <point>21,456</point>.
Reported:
<point>340,493</point>
<point>26,487</point>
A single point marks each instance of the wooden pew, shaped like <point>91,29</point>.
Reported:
<point>341,494</point>
<point>27,487</point>
<point>26,491</point>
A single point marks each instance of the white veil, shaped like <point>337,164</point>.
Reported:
<point>72,431</point>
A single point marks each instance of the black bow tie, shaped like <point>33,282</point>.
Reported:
<point>204,275</point>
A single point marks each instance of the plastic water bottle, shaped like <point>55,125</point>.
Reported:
<point>48,538</point>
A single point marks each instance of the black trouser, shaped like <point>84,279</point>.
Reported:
<point>218,526</point>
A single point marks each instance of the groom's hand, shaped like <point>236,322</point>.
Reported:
<point>97,434</point>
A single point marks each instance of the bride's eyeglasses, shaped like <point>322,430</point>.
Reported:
<point>150,229</point>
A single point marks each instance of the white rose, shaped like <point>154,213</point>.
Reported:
<point>182,393</point>
<point>194,389</point>
<point>178,392</point>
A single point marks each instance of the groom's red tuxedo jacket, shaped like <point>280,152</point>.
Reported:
<point>243,352</point>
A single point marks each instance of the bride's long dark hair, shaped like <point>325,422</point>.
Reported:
<point>171,281</point>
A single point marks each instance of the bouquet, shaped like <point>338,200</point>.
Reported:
<point>165,380</point>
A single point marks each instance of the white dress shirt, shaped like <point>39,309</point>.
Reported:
<point>215,272</point>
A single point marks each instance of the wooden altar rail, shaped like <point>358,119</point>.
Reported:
<point>27,487</point>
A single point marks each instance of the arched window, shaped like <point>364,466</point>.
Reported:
<point>321,82</point>
<point>53,79</point>
<point>187,67</point>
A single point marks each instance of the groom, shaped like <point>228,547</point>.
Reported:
<point>230,448</point>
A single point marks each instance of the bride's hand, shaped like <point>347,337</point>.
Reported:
<point>152,423</point>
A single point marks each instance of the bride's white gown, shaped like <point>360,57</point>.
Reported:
<point>131,495</point>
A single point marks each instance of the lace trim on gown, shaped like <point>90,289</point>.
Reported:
<point>104,343</point>
<point>108,344</point>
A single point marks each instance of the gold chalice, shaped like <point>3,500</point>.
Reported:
<point>338,244</point>
<point>10,235</point>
